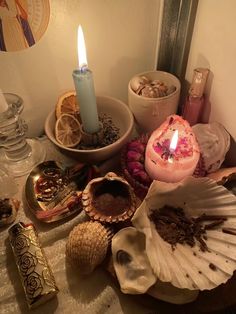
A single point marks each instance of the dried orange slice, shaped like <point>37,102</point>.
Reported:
<point>67,130</point>
<point>67,103</point>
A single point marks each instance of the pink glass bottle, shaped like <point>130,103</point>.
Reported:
<point>195,101</point>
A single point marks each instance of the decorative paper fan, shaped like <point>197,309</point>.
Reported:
<point>23,23</point>
<point>185,266</point>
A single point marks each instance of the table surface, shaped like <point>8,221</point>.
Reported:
<point>96,294</point>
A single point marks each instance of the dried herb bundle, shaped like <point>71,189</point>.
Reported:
<point>174,227</point>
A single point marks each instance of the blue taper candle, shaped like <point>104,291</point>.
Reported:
<point>83,81</point>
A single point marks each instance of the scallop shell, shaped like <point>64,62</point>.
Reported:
<point>226,177</point>
<point>185,266</point>
<point>166,292</point>
<point>109,199</point>
<point>135,274</point>
<point>214,142</point>
<point>87,245</point>
<point>223,175</point>
<point>131,264</point>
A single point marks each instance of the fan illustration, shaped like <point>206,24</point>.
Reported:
<point>22,23</point>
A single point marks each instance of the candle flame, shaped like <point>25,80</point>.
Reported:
<point>82,57</point>
<point>174,140</point>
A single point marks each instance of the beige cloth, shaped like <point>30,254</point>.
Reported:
<point>96,294</point>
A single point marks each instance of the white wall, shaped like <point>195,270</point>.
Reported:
<point>214,46</point>
<point>121,40</point>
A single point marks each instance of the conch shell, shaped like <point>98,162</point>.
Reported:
<point>214,142</point>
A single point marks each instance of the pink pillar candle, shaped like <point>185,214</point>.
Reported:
<point>172,151</point>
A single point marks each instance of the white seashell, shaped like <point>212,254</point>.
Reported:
<point>185,266</point>
<point>166,292</point>
<point>214,142</point>
<point>149,91</point>
<point>130,261</point>
<point>137,82</point>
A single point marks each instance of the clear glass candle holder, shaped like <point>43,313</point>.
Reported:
<point>8,187</point>
<point>18,155</point>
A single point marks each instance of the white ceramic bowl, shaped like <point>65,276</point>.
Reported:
<point>151,112</point>
<point>122,118</point>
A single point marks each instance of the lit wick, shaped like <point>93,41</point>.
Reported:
<point>82,55</point>
<point>173,145</point>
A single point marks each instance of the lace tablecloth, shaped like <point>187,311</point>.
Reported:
<point>97,293</point>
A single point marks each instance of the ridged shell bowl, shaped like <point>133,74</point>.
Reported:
<point>186,266</point>
<point>109,199</point>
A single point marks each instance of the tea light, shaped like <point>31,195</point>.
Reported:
<point>83,80</point>
<point>172,151</point>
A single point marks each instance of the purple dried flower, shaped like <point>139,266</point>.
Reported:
<point>136,171</point>
<point>134,156</point>
<point>143,177</point>
<point>134,166</point>
<point>136,146</point>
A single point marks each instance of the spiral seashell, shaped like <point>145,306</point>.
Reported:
<point>88,244</point>
<point>137,82</point>
<point>214,142</point>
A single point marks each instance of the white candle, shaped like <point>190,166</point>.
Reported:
<point>172,152</point>
<point>83,80</point>
<point>3,102</point>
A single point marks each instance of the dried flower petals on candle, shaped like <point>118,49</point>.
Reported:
<point>167,163</point>
<point>162,146</point>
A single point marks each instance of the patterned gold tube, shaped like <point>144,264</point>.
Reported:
<point>36,275</point>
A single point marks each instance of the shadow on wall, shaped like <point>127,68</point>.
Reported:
<point>123,71</point>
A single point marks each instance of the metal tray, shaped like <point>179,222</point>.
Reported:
<point>53,191</point>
